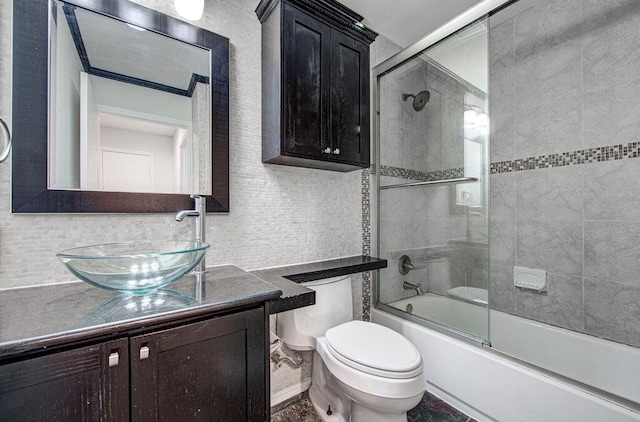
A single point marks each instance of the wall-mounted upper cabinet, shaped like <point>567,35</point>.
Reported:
<point>315,85</point>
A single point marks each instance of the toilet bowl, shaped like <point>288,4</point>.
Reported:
<point>361,371</point>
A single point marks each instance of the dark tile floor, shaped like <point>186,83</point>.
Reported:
<point>299,411</point>
<point>430,409</point>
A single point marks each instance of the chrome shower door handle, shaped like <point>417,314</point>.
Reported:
<point>7,136</point>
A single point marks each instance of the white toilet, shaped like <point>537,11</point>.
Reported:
<point>362,372</point>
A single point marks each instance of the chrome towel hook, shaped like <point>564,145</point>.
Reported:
<point>7,135</point>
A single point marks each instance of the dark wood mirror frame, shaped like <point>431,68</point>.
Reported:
<point>30,114</point>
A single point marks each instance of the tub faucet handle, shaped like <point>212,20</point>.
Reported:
<point>405,265</point>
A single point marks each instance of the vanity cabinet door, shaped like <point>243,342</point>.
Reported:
<point>85,384</point>
<point>212,370</point>
<point>349,100</point>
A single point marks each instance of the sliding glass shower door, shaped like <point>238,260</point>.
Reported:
<point>432,155</point>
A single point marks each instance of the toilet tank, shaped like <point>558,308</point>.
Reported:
<point>300,327</point>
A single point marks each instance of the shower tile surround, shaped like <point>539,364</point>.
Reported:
<point>563,149</point>
<point>563,160</point>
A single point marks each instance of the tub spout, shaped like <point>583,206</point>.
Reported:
<point>410,286</point>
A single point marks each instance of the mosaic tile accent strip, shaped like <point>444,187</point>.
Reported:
<point>366,241</point>
<point>366,296</point>
<point>581,156</point>
<point>421,175</point>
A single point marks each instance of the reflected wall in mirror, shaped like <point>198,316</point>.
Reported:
<point>124,102</point>
<point>137,116</point>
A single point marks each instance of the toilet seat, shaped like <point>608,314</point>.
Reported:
<point>375,385</point>
<point>374,349</point>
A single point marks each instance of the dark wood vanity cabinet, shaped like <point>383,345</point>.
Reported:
<point>210,370</point>
<point>315,83</point>
<point>72,385</point>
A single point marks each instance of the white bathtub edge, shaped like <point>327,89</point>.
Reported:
<point>490,388</point>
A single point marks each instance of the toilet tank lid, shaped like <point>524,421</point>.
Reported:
<point>374,346</point>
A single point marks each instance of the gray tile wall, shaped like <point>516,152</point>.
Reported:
<point>568,85</point>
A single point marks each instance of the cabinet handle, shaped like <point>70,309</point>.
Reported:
<point>144,352</point>
<point>336,151</point>
<point>114,359</point>
<point>327,150</point>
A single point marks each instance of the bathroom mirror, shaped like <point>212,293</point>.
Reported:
<point>116,108</point>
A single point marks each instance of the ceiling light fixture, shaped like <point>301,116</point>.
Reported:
<point>190,9</point>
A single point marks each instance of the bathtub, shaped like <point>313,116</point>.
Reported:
<point>490,386</point>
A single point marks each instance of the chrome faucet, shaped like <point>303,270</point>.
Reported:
<point>410,286</point>
<point>200,213</point>
<point>405,265</point>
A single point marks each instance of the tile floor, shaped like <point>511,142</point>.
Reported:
<point>430,409</point>
<point>301,410</point>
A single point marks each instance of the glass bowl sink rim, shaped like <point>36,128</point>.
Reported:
<point>80,252</point>
<point>137,267</point>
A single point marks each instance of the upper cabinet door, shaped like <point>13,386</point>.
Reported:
<point>315,85</point>
<point>306,45</point>
<point>349,99</point>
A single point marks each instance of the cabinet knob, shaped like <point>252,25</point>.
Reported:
<point>327,150</point>
<point>336,151</point>
<point>144,352</point>
<point>114,359</point>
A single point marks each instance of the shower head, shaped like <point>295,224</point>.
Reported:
<point>419,100</point>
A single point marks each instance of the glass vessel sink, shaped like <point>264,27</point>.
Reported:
<point>134,267</point>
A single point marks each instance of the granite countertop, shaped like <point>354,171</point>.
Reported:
<point>47,316</point>
<point>64,314</point>
<point>288,279</point>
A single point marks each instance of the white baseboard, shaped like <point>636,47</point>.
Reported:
<point>289,392</point>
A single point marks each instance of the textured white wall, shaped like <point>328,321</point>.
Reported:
<point>279,215</point>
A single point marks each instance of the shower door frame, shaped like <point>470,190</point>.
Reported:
<point>471,15</point>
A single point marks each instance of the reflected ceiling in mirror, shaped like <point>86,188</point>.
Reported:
<point>126,107</point>
<point>105,82</point>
